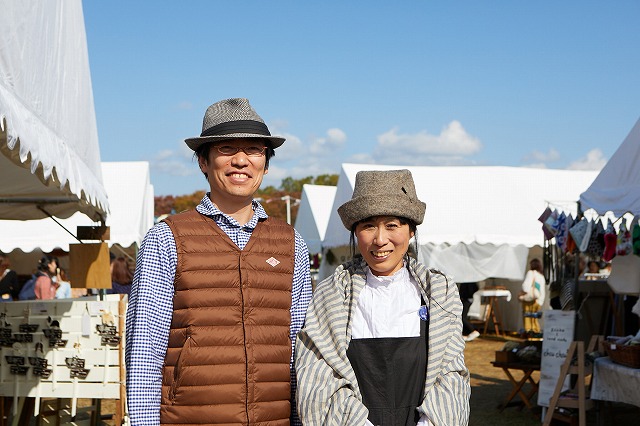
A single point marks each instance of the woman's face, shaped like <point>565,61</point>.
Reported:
<point>383,242</point>
<point>52,266</point>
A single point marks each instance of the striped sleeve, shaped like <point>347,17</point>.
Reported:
<point>447,389</point>
<point>327,390</point>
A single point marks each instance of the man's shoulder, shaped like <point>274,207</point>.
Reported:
<point>184,216</point>
<point>278,225</point>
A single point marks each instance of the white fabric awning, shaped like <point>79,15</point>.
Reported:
<point>130,216</point>
<point>49,154</point>
<point>480,221</point>
<point>313,214</point>
<point>617,187</point>
<point>485,205</point>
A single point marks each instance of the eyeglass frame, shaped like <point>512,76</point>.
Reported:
<point>237,149</point>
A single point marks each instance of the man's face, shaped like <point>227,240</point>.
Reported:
<point>234,178</point>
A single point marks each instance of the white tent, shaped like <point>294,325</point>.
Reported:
<point>48,136</point>
<point>616,190</point>
<point>313,215</point>
<point>617,187</point>
<point>480,221</point>
<point>130,217</point>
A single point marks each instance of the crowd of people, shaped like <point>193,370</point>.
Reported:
<point>50,281</point>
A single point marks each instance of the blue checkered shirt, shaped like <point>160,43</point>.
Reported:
<point>150,308</point>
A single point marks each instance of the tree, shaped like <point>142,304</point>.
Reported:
<point>163,204</point>
<point>188,202</point>
<point>329,180</point>
<point>270,197</point>
<point>290,184</point>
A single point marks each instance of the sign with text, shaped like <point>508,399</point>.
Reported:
<point>557,337</point>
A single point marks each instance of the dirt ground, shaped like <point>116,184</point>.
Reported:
<point>489,387</point>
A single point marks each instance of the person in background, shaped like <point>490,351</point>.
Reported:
<point>9,288</point>
<point>466,290</point>
<point>121,276</point>
<point>532,296</point>
<point>593,267</point>
<point>219,292</point>
<point>46,287</point>
<point>382,342</point>
<point>64,286</point>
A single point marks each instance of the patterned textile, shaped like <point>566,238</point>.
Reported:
<point>328,392</point>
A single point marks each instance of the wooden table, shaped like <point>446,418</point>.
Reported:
<point>518,385</point>
<point>489,311</point>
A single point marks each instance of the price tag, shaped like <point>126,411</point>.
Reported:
<point>95,308</point>
<point>86,325</point>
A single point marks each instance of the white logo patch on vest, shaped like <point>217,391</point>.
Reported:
<point>273,261</point>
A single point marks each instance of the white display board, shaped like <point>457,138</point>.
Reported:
<point>81,362</point>
<point>557,335</point>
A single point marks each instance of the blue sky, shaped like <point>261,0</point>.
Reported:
<point>530,84</point>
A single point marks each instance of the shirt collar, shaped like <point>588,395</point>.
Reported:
<point>376,281</point>
<point>207,208</point>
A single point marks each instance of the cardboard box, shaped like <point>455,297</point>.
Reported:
<point>506,356</point>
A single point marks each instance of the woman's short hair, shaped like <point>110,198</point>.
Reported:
<point>120,271</point>
<point>536,265</point>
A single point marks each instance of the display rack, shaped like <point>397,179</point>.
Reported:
<point>68,348</point>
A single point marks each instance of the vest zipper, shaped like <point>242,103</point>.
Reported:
<point>244,339</point>
<point>177,369</point>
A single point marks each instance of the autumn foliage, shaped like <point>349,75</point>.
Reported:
<point>272,199</point>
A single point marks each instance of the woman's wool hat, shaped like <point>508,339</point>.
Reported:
<point>232,119</point>
<point>382,193</point>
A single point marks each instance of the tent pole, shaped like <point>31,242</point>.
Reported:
<point>59,224</point>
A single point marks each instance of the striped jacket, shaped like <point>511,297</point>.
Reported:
<point>328,393</point>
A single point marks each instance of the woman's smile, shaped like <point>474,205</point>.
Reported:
<point>383,242</point>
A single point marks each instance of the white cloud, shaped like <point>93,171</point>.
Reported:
<point>361,158</point>
<point>594,160</point>
<point>186,105</point>
<point>535,166</point>
<point>178,162</point>
<point>452,145</point>
<point>275,176</point>
<point>334,141</point>
<point>292,148</point>
<point>543,157</point>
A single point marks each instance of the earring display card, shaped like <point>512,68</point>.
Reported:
<point>47,353</point>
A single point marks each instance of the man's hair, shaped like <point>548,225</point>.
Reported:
<point>203,152</point>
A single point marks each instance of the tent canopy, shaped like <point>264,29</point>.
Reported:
<point>49,156</point>
<point>617,188</point>
<point>480,221</point>
<point>130,217</point>
<point>313,214</point>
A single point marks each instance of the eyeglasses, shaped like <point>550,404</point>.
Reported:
<point>251,151</point>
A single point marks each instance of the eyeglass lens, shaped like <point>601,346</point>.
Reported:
<point>232,150</point>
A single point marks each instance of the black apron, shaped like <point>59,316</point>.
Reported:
<point>391,372</point>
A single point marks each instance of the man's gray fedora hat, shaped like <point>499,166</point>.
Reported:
<point>382,193</point>
<point>232,119</point>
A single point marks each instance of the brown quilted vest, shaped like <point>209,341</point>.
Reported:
<point>229,348</point>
